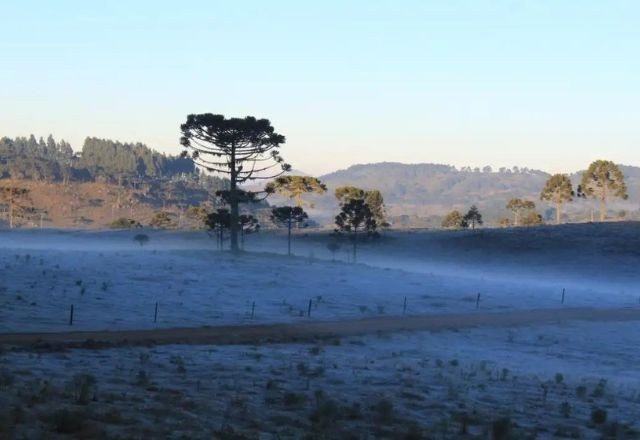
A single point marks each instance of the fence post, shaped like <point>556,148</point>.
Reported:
<point>309,310</point>
<point>253,308</point>
<point>71,315</point>
<point>155,314</point>
<point>478,301</point>
<point>404,306</point>
<point>562,302</point>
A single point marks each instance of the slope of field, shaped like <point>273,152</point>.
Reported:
<point>114,283</point>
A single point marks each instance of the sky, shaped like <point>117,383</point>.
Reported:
<point>546,84</point>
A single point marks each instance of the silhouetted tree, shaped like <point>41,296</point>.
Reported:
<point>288,216</point>
<point>373,199</point>
<point>141,239</point>
<point>473,217</point>
<point>518,207</point>
<point>603,180</point>
<point>248,224</point>
<point>244,149</point>
<point>333,247</point>
<point>453,220</point>
<point>558,190</point>
<point>356,219</point>
<point>294,187</point>
<point>217,222</point>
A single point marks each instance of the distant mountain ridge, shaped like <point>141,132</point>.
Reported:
<point>430,190</point>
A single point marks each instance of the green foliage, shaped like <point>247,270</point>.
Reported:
<point>532,219</point>
<point>519,207</point>
<point>355,219</point>
<point>453,220</point>
<point>294,187</point>
<point>124,223</point>
<point>558,190</point>
<point>288,216</point>
<point>27,158</point>
<point>603,180</point>
<point>244,149</point>
<point>472,217</point>
<point>372,198</point>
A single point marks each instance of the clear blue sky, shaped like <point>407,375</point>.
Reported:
<point>549,84</point>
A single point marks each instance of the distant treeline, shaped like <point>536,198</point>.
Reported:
<point>99,159</point>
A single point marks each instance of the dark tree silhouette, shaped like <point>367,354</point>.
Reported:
<point>288,216</point>
<point>248,224</point>
<point>356,219</point>
<point>473,217</point>
<point>141,239</point>
<point>216,223</point>
<point>333,247</point>
<point>244,149</point>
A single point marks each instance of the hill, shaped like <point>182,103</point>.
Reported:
<point>419,194</point>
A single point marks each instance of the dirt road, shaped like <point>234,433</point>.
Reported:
<point>308,331</point>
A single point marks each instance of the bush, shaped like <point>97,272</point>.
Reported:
<point>83,387</point>
<point>599,416</point>
<point>124,223</point>
<point>141,239</point>
<point>501,428</point>
<point>67,422</point>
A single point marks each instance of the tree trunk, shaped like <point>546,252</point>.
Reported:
<point>558,212</point>
<point>355,245</point>
<point>515,218</point>
<point>289,246</point>
<point>233,202</point>
<point>603,209</point>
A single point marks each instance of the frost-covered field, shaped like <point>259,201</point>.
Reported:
<point>536,382</point>
<point>113,283</point>
<point>572,379</point>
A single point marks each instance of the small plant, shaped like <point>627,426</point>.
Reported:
<point>83,387</point>
<point>65,421</point>
<point>141,239</point>
<point>501,428</point>
<point>384,411</point>
<point>599,416</point>
<point>581,391</point>
<point>293,399</point>
<point>559,378</point>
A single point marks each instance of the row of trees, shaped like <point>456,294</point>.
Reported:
<point>602,181</point>
<point>51,160</point>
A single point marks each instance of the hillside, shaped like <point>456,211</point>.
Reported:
<point>429,190</point>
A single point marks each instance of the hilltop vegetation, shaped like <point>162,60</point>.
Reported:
<point>422,194</point>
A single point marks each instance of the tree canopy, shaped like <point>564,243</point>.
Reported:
<point>558,190</point>
<point>602,181</point>
<point>244,149</point>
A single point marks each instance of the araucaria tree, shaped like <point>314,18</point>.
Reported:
<point>603,180</point>
<point>217,222</point>
<point>472,217</point>
<point>294,187</point>
<point>519,207</point>
<point>558,190</point>
<point>243,149</point>
<point>356,219</point>
<point>288,216</point>
<point>373,199</point>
